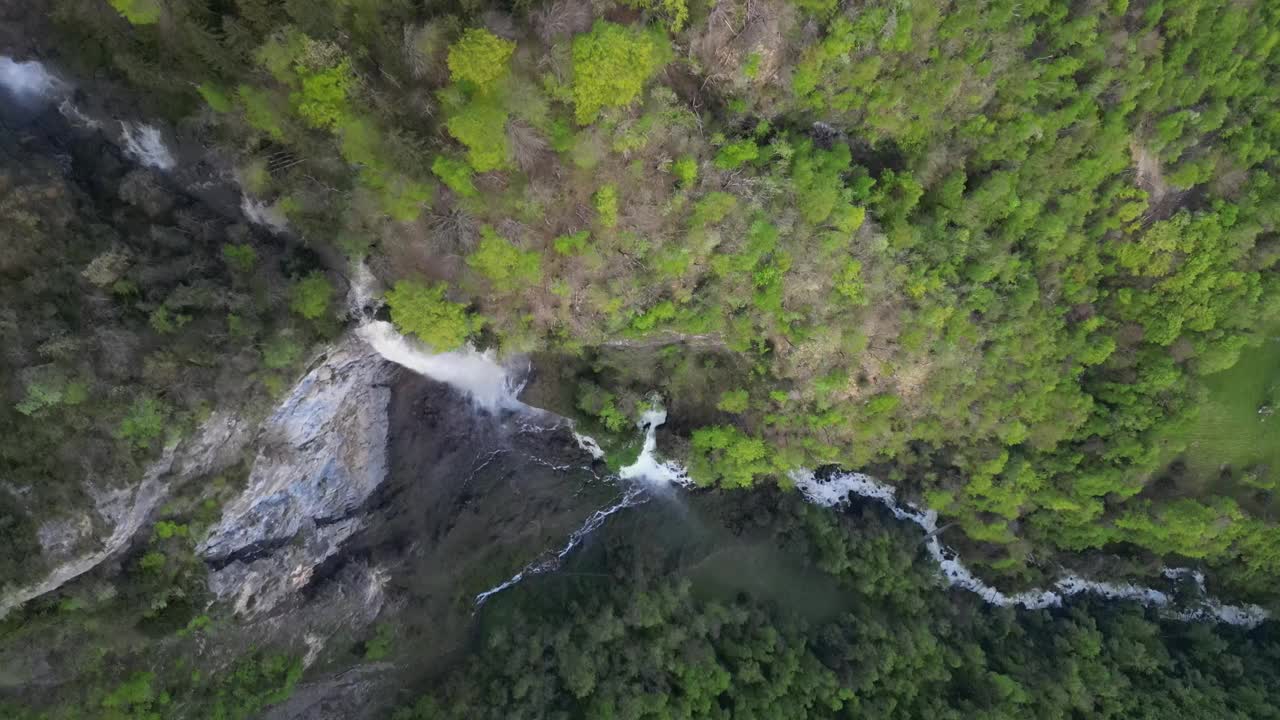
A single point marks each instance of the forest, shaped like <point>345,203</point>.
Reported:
<point>1018,259</point>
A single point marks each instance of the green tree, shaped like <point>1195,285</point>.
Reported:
<point>481,125</point>
<point>724,455</point>
<point>144,423</point>
<point>311,296</point>
<point>456,174</point>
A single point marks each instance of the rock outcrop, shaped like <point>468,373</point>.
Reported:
<point>121,511</point>
<point>319,457</point>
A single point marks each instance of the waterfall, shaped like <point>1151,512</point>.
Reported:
<point>260,213</point>
<point>34,86</point>
<point>144,144</point>
<point>477,374</point>
<point>835,490</point>
<point>633,496</point>
<point>647,467</point>
<point>473,372</point>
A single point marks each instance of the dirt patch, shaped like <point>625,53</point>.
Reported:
<point>1162,199</point>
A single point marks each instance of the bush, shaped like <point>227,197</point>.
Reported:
<point>726,456</point>
<point>733,401</point>
<point>240,258</point>
<point>216,98</point>
<point>574,244</point>
<point>322,102</point>
<point>423,311</point>
<point>686,170</point>
<point>144,423</point>
<point>455,174</point>
<point>611,65</point>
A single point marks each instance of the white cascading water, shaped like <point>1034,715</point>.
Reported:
<point>34,85</point>
<point>260,213</point>
<point>633,496</point>
<point>836,489</point>
<point>144,143</point>
<point>647,467</point>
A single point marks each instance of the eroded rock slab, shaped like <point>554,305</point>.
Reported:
<point>319,457</point>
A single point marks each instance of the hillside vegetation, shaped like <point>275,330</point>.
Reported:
<point>992,249</point>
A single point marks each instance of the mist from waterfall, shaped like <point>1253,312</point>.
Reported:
<point>27,81</point>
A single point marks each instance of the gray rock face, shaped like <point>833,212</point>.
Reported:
<point>121,511</point>
<point>319,457</point>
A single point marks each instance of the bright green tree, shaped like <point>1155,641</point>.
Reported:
<point>480,58</point>
<point>611,65</point>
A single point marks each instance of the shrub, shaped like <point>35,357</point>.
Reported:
<point>480,58</point>
<point>686,170</point>
<point>606,202</point>
<point>735,154</point>
<point>481,125</point>
<point>610,67</point>
<point>240,258</point>
<point>726,456</point>
<point>455,174</point>
<point>144,423</point>
<point>505,265</point>
<point>675,12</point>
<point>216,97</point>
<point>574,244</point>
<point>282,352</point>
<point>733,401</point>
<point>423,311</point>
<point>322,101</point>
<point>260,111</point>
